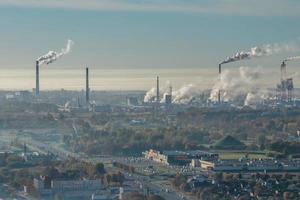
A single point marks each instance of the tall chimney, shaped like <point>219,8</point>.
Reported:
<point>157,91</point>
<point>87,89</point>
<point>219,93</point>
<point>283,71</point>
<point>37,79</point>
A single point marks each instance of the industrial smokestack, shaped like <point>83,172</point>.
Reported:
<point>49,58</point>
<point>87,89</point>
<point>157,90</point>
<point>219,92</point>
<point>37,78</point>
<point>283,71</point>
<point>168,97</point>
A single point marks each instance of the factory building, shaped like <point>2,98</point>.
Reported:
<point>69,189</point>
<point>37,78</point>
<point>168,99</point>
<point>102,108</point>
<point>286,87</point>
<point>132,101</point>
<point>87,87</point>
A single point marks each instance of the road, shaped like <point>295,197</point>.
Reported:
<point>63,154</point>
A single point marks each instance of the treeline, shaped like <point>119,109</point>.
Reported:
<point>192,129</point>
<point>124,167</point>
<point>284,147</point>
<point>114,179</point>
<point>138,196</point>
<point>242,123</point>
<point>133,141</point>
<point>74,169</point>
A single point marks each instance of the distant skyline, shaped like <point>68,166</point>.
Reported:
<point>130,79</point>
<point>144,34</point>
<point>148,35</point>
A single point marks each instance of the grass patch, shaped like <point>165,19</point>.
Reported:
<point>238,155</point>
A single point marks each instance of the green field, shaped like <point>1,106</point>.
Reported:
<point>225,155</point>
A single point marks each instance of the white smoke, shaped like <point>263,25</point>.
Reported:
<point>150,95</point>
<point>165,91</point>
<point>232,85</point>
<point>255,97</point>
<point>265,50</point>
<point>185,94</point>
<point>291,58</point>
<point>52,56</point>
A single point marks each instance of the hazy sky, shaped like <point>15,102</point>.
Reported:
<point>144,33</point>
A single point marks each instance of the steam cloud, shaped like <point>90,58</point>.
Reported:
<point>150,95</point>
<point>292,58</point>
<point>243,83</point>
<point>183,95</point>
<point>265,50</point>
<point>52,56</point>
<point>254,97</point>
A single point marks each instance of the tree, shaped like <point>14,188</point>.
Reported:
<point>57,197</point>
<point>244,197</point>
<point>184,187</point>
<point>257,188</point>
<point>178,180</point>
<point>155,197</point>
<point>288,195</point>
<point>206,194</point>
<point>227,177</point>
<point>218,177</point>
<point>134,196</point>
<point>100,168</point>
<point>108,178</point>
<point>261,140</point>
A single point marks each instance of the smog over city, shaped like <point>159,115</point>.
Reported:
<point>149,100</point>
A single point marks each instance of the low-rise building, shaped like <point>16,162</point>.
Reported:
<point>36,157</point>
<point>179,157</point>
<point>254,165</point>
<point>156,156</point>
<point>68,189</point>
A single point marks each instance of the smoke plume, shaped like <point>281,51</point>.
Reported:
<point>292,58</point>
<point>52,56</point>
<point>186,94</point>
<point>183,95</point>
<point>265,50</point>
<point>232,85</point>
<point>255,97</point>
<point>163,91</point>
<point>150,95</point>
